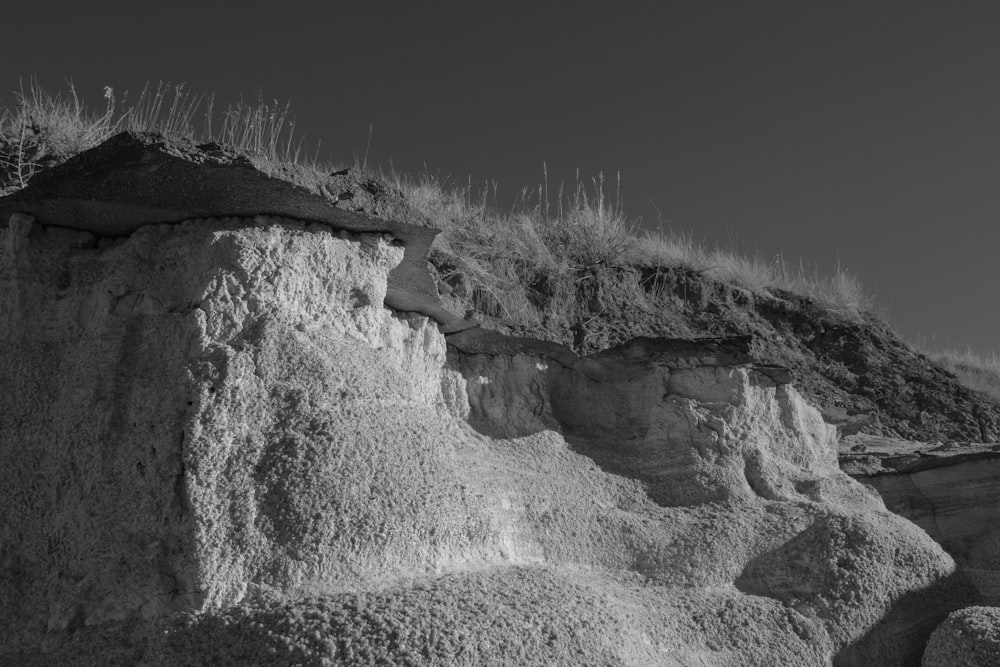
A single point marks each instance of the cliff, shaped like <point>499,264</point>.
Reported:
<point>244,437</point>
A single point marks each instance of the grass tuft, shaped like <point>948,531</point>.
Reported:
<point>41,130</point>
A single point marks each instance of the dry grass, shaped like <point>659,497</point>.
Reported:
<point>499,252</point>
<point>549,240</point>
<point>42,129</point>
<point>979,371</point>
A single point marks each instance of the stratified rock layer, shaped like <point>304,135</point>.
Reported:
<point>217,441</point>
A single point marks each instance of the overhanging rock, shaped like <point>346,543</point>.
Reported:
<point>138,179</point>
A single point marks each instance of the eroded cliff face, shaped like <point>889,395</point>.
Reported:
<point>220,419</point>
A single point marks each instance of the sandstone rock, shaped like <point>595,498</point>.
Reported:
<point>216,441</point>
<point>970,637</point>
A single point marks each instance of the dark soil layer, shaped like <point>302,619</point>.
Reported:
<point>860,374</point>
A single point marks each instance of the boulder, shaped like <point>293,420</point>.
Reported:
<point>969,637</point>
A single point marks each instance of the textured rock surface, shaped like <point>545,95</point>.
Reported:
<point>969,637</point>
<point>952,491</point>
<point>217,443</point>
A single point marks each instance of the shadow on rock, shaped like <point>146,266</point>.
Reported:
<point>905,629</point>
<point>842,560</point>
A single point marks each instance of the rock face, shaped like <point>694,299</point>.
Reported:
<point>970,637</point>
<point>218,444</point>
<point>952,491</point>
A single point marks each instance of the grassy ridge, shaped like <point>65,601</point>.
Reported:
<point>498,260</point>
<point>585,229</point>
<point>504,250</point>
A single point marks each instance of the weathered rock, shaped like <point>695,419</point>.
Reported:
<point>219,421</point>
<point>969,637</point>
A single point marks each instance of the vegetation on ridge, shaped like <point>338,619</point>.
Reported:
<point>520,268</point>
<point>976,370</point>
<point>586,229</point>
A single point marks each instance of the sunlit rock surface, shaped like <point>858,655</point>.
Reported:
<point>218,444</point>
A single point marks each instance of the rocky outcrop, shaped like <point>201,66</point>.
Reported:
<point>950,490</point>
<point>970,637</point>
<point>137,179</point>
<point>218,443</point>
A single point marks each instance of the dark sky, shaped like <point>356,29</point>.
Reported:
<point>861,132</point>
